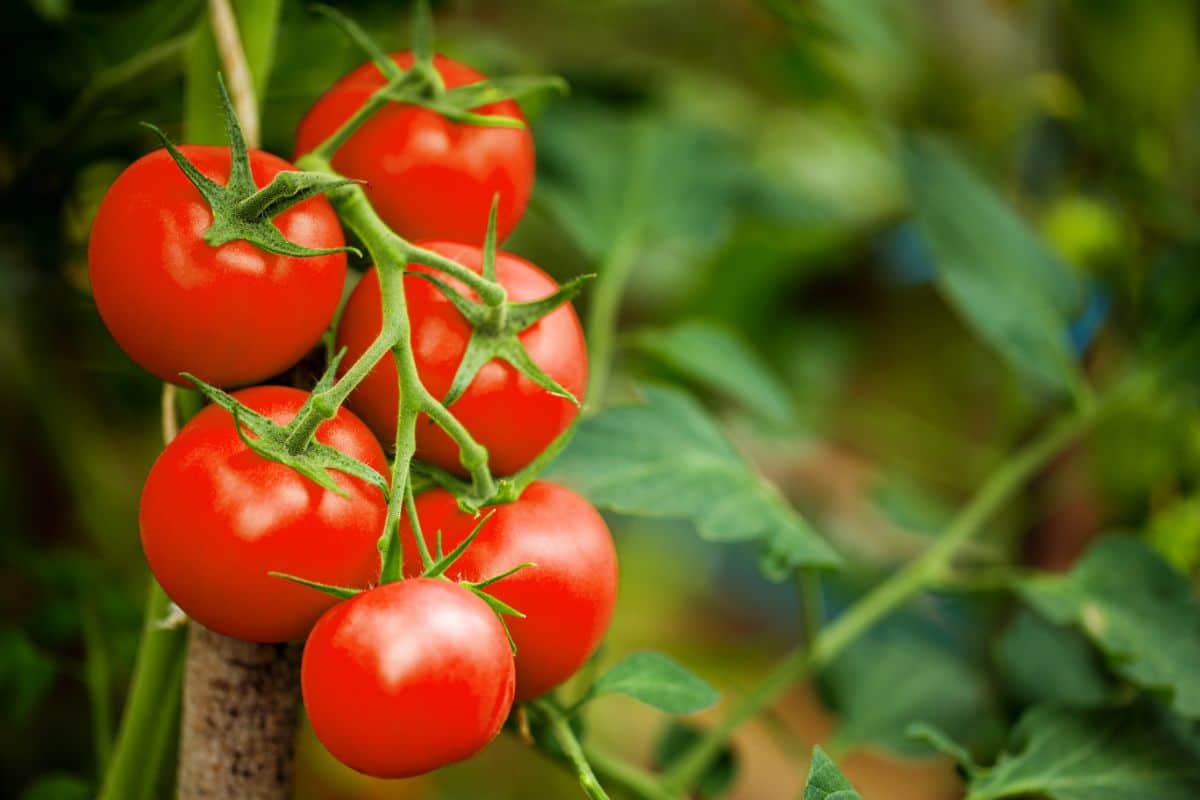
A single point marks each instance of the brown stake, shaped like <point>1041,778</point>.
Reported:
<point>240,704</point>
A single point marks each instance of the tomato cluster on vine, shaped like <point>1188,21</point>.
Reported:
<point>209,269</point>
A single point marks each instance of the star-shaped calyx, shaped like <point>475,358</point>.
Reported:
<point>422,85</point>
<point>275,442</point>
<point>495,328</point>
<point>240,209</point>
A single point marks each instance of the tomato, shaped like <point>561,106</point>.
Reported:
<point>505,411</point>
<point>428,177</point>
<point>407,677</point>
<point>232,314</point>
<point>216,518</point>
<point>567,597</point>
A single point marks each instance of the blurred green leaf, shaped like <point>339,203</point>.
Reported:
<point>1005,281</point>
<point>882,684</point>
<point>1096,755</point>
<point>825,781</point>
<point>1040,662</point>
<point>1137,609</point>
<point>720,359</point>
<point>657,681</point>
<point>676,739</point>
<point>668,458</point>
<point>26,674</point>
<point>58,787</point>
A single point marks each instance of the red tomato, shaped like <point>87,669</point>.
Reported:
<point>567,598</point>
<point>428,178</point>
<point>216,518</point>
<point>230,315</point>
<point>507,413</point>
<point>408,677</point>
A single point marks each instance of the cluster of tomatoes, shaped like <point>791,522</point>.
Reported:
<point>403,676</point>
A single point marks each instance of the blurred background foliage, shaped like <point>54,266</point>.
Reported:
<point>781,178</point>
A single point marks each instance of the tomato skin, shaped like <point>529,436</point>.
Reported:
<point>407,677</point>
<point>567,597</point>
<point>217,517</point>
<point>232,314</point>
<point>428,178</point>
<point>506,412</point>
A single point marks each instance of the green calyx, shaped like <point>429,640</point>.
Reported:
<point>314,461</point>
<point>243,211</point>
<point>422,85</point>
<point>495,328</point>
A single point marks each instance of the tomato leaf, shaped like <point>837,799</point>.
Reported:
<point>1003,279</point>
<point>1137,609</point>
<point>668,458</point>
<point>677,738</point>
<point>1118,754</point>
<point>657,681</point>
<point>720,359</point>
<point>1041,662</point>
<point>826,781</point>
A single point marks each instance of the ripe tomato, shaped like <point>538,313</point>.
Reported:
<point>216,518</point>
<point>230,315</point>
<point>407,677</point>
<point>567,597</point>
<point>507,413</point>
<point>428,177</point>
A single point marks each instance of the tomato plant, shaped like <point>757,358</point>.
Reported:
<point>505,410</point>
<point>808,320</point>
<point>407,677</point>
<point>429,177</point>
<point>176,302</point>
<point>566,595</point>
<point>217,518</point>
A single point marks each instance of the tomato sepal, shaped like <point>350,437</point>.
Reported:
<point>316,461</point>
<point>340,592</point>
<point>243,211</point>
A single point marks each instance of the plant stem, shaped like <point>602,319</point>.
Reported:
<point>633,779</point>
<point>1008,477</point>
<point>159,662</point>
<point>236,67</point>
<point>560,729</point>
<point>602,313</point>
<point>391,255</point>
<point>490,292</point>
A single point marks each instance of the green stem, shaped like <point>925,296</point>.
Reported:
<point>808,589</point>
<point>327,148</point>
<point>152,689</point>
<point>560,729</point>
<point>391,254</point>
<point>490,292</point>
<point>630,777</point>
<point>926,570</point>
<point>602,313</point>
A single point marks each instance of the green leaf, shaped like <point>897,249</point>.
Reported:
<point>1090,755</point>
<point>940,741</point>
<point>1003,279</point>
<point>657,681</point>
<point>720,359</point>
<point>668,458</point>
<point>58,787</point>
<point>826,781</point>
<point>1041,662</point>
<point>883,683</point>
<point>1137,609</point>
<point>677,738</point>
<point>26,674</point>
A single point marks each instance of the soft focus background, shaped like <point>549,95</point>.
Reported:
<point>750,156</point>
